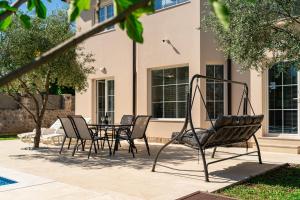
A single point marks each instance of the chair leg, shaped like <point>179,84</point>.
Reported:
<point>214,152</point>
<point>109,146</point>
<point>69,143</point>
<point>131,148</point>
<point>98,144</point>
<point>204,165</point>
<point>90,149</point>
<point>116,145</point>
<point>83,144</point>
<point>95,148</point>
<point>62,144</point>
<point>75,147</point>
<point>147,145</point>
<point>247,147</point>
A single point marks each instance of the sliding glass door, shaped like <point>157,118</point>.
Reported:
<point>105,100</point>
<point>283,100</point>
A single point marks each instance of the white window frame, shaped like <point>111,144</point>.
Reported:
<point>105,6</point>
<point>163,101</point>
<point>224,91</point>
<point>172,6</point>
<point>106,97</point>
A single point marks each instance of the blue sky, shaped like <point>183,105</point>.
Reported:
<point>51,6</point>
<point>55,5</point>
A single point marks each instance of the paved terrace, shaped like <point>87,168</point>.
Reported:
<point>123,177</point>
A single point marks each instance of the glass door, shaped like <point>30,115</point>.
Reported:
<point>283,100</point>
<point>105,100</point>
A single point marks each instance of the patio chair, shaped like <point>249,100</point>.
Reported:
<point>226,130</point>
<point>85,133</point>
<point>138,132</point>
<point>69,131</point>
<point>125,120</point>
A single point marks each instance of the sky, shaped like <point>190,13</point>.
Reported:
<point>51,6</point>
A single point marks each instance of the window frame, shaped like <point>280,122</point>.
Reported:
<point>106,98</point>
<point>105,7</point>
<point>214,100</point>
<point>163,85</point>
<point>172,6</point>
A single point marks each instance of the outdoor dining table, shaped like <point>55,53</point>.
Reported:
<point>115,128</point>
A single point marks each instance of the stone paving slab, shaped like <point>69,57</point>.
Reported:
<point>123,177</point>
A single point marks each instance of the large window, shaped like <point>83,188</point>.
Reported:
<point>106,12</point>
<point>169,90</point>
<point>160,4</point>
<point>215,91</point>
<point>105,100</point>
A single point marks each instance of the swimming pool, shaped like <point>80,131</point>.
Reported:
<point>5,181</point>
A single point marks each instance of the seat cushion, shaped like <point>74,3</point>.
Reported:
<point>189,138</point>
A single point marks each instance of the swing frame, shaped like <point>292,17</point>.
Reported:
<point>251,128</point>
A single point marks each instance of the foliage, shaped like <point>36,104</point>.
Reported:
<point>283,183</point>
<point>8,137</point>
<point>131,23</point>
<point>19,45</point>
<point>261,33</point>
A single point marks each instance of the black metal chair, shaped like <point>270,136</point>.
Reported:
<point>69,130</point>
<point>224,131</point>
<point>138,132</point>
<point>85,133</point>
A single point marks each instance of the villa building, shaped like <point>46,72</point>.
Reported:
<point>152,78</point>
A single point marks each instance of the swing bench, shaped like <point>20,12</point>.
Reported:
<point>226,130</point>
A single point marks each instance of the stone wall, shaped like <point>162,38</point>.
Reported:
<point>18,120</point>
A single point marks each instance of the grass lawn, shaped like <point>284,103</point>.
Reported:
<point>8,137</point>
<point>283,183</point>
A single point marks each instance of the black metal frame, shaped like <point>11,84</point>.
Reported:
<point>189,122</point>
<point>94,138</point>
<point>130,139</point>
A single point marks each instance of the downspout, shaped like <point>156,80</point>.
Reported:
<point>229,103</point>
<point>134,78</point>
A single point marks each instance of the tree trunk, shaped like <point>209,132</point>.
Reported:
<point>37,137</point>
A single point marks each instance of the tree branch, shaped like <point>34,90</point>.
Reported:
<point>23,106</point>
<point>7,13</point>
<point>56,51</point>
<point>23,84</point>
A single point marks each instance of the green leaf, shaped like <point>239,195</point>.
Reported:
<point>4,24</point>
<point>222,13</point>
<point>25,19</point>
<point>30,5</point>
<point>134,29</point>
<point>40,8</point>
<point>6,6</point>
<point>76,7</point>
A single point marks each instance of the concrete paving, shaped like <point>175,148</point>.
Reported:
<point>122,177</point>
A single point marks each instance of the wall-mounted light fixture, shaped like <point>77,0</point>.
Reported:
<point>103,70</point>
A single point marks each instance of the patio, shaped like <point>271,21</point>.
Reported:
<point>121,176</point>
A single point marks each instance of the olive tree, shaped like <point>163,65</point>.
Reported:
<point>260,33</point>
<point>20,45</point>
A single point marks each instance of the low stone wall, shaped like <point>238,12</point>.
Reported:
<point>18,120</point>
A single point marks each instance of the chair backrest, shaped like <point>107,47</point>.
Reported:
<point>140,126</point>
<point>68,127</point>
<point>127,120</point>
<point>81,127</point>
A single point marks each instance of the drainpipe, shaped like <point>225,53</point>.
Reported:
<point>229,64</point>
<point>134,78</point>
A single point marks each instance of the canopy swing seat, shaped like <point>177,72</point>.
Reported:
<point>225,130</point>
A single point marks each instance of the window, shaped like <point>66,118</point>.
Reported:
<point>106,12</point>
<point>215,91</point>
<point>105,100</point>
<point>160,4</point>
<point>169,90</point>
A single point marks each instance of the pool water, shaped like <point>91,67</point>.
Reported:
<point>5,181</point>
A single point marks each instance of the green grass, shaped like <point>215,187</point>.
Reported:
<point>8,137</point>
<point>280,184</point>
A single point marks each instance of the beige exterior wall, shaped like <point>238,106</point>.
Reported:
<point>113,50</point>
